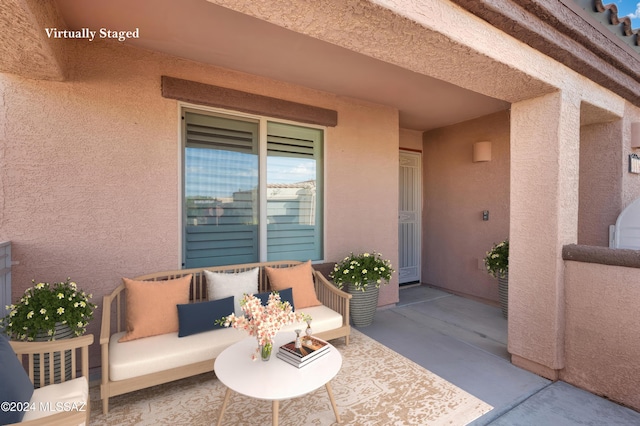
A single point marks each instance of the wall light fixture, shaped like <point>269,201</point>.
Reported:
<point>481,151</point>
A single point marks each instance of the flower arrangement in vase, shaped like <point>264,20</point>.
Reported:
<point>44,307</point>
<point>262,321</point>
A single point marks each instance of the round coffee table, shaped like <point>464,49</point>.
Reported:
<point>274,380</point>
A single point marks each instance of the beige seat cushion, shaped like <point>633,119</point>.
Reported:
<point>166,351</point>
<point>53,399</point>
<point>160,353</point>
<point>323,319</point>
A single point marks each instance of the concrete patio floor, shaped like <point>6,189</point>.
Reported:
<point>465,342</point>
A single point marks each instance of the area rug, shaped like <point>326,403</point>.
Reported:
<point>376,386</point>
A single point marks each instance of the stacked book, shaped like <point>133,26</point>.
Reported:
<point>310,349</point>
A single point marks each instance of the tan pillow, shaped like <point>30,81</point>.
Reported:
<point>300,279</point>
<point>152,306</point>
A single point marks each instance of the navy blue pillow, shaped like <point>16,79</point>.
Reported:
<point>197,317</point>
<point>286,295</point>
<point>16,386</point>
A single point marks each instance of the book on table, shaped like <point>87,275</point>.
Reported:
<point>291,359</point>
<point>311,347</point>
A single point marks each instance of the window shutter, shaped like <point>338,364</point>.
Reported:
<point>221,163</point>
<point>294,206</point>
<point>222,186</point>
<point>220,133</point>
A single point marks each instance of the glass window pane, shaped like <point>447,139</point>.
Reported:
<point>294,196</point>
<point>221,191</point>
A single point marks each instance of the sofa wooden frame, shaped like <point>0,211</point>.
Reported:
<point>114,310</point>
<point>25,352</point>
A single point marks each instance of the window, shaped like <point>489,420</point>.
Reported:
<point>252,190</point>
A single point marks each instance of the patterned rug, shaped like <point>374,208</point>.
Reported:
<point>376,386</point>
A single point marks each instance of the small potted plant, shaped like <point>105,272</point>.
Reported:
<point>46,310</point>
<point>497,263</point>
<point>49,312</point>
<point>363,274</point>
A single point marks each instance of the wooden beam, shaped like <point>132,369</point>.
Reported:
<point>222,97</point>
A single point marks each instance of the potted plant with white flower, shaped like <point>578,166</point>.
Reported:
<point>45,309</point>
<point>497,263</point>
<point>49,312</point>
<point>362,274</point>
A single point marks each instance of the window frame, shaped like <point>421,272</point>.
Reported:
<point>263,121</point>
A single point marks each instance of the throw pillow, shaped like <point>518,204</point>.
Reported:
<point>151,306</point>
<point>221,285</point>
<point>300,279</point>
<point>16,386</point>
<point>198,317</point>
<point>286,295</point>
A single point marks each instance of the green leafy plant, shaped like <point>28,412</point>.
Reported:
<point>362,269</point>
<point>497,259</point>
<point>43,305</point>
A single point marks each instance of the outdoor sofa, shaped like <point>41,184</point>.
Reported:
<point>145,361</point>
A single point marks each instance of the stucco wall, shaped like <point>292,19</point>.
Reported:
<point>602,323</point>
<point>600,181</point>
<point>90,178</point>
<point>456,191</point>
<point>630,182</point>
<point>411,139</point>
<point>362,186</point>
<point>544,154</point>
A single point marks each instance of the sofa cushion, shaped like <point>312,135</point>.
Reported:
<point>160,353</point>
<point>300,278</point>
<point>322,319</point>
<point>198,317</point>
<point>167,351</point>
<point>72,395</point>
<point>15,384</point>
<point>152,306</point>
<point>286,295</point>
<point>221,285</point>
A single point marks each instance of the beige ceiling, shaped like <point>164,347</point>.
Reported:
<point>204,32</point>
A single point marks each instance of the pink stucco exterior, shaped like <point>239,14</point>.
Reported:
<point>456,192</point>
<point>602,325</point>
<point>91,169</point>
<point>90,158</point>
<point>600,199</point>
<point>411,140</point>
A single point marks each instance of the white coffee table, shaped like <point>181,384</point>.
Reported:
<point>274,380</point>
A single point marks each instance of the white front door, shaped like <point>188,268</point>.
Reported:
<point>410,215</point>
